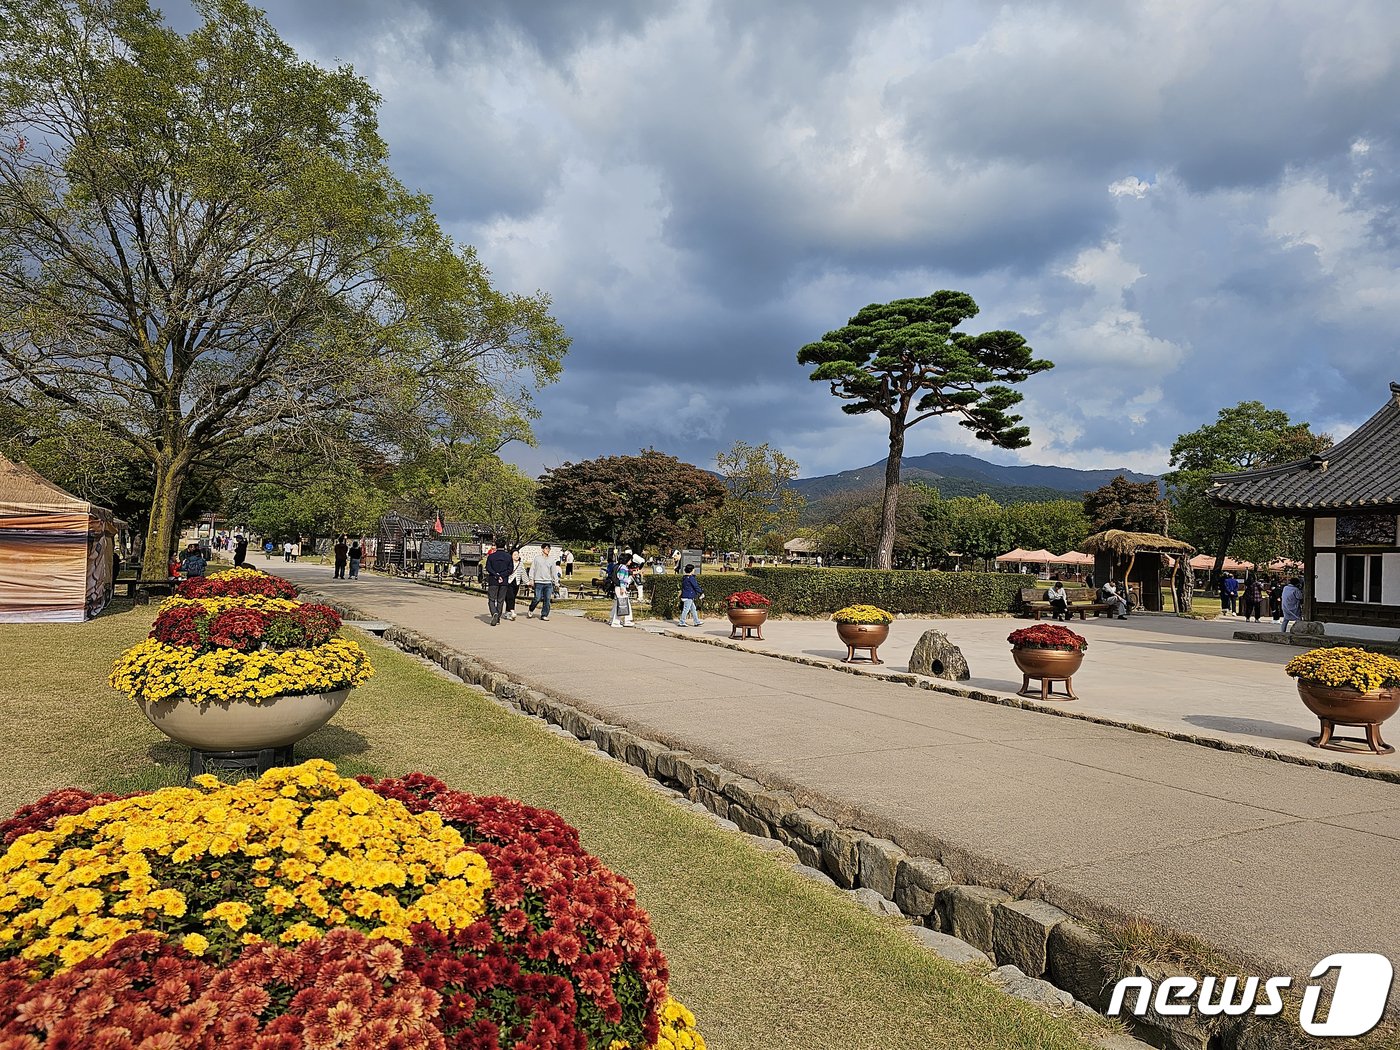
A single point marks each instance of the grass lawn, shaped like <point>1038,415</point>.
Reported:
<point>765,958</point>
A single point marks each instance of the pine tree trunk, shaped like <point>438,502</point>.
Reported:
<point>162,533</point>
<point>884,557</point>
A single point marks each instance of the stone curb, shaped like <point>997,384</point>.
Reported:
<point>933,685</point>
<point>1042,954</point>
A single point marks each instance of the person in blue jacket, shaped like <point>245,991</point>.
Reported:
<point>499,568</point>
<point>690,594</point>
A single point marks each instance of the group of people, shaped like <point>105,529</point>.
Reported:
<point>347,554</point>
<point>1246,597</point>
<point>505,571</point>
<point>1115,595</point>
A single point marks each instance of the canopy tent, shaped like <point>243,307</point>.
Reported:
<point>56,550</point>
<point>1206,562</point>
<point>1075,558</point>
<point>1116,556</point>
<point>1017,555</point>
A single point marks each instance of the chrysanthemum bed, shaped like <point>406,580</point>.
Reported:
<point>306,910</point>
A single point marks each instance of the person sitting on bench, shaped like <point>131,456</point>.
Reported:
<point>1118,603</point>
<point>1058,599</point>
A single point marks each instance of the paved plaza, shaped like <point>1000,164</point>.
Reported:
<point>1276,863</point>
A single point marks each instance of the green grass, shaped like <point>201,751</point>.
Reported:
<point>765,958</point>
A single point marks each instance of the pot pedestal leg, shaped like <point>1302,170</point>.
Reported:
<point>742,632</point>
<point>1372,743</point>
<point>1047,687</point>
<point>242,764</point>
<point>850,656</point>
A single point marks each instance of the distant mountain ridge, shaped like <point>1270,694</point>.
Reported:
<point>958,474</point>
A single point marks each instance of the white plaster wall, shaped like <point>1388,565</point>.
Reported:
<point>1390,579</point>
<point>1324,532</point>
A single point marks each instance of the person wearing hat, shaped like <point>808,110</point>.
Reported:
<point>638,563</point>
<point>622,604</point>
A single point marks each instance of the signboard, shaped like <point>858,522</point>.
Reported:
<point>695,558</point>
<point>435,551</point>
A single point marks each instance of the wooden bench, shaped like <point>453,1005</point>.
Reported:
<point>1082,601</point>
<point>141,589</point>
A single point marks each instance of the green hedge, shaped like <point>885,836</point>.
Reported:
<point>820,592</point>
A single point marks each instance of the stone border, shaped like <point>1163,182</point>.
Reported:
<point>915,681</point>
<point>1319,641</point>
<point>1041,953</point>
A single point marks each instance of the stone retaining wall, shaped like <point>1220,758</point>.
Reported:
<point>1027,938</point>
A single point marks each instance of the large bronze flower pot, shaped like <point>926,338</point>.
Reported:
<point>742,621</point>
<point>1348,707</point>
<point>863,636</point>
<point>238,725</point>
<point>1050,666</point>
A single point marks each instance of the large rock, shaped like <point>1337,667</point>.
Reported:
<point>871,901</point>
<point>879,861</point>
<point>967,913</point>
<point>841,857</point>
<point>1309,628</point>
<point>917,883</point>
<point>1015,983</point>
<point>1022,933</point>
<point>937,656</point>
<point>1077,960</point>
<point>949,947</point>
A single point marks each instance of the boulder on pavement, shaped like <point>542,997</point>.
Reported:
<point>937,656</point>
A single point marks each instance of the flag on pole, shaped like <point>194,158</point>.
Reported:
<point>437,523</point>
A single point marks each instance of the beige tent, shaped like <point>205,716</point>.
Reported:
<point>55,551</point>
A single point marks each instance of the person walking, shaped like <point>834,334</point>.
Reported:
<point>1229,593</point>
<point>268,548</point>
<point>356,554</point>
<point>342,556</point>
<point>568,563</point>
<point>517,580</point>
<point>1276,598</point>
<point>690,594</point>
<point>622,604</point>
<point>240,552</point>
<point>287,551</point>
<point>542,575</point>
<point>499,567</point>
<point>1292,602</point>
<point>1253,594</point>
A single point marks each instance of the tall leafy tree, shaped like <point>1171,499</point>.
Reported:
<point>1056,525</point>
<point>904,360</point>
<point>1247,436</point>
<point>757,499</point>
<point>641,500</point>
<point>201,243</point>
<point>1134,506</point>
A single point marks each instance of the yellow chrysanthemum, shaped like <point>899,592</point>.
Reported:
<point>1346,668</point>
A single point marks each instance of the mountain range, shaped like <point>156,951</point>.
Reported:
<point>956,474</point>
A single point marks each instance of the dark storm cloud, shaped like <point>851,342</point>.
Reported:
<point>1183,205</point>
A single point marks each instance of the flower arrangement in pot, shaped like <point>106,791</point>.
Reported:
<point>303,909</point>
<point>862,627</point>
<point>1348,687</point>
<point>747,611</point>
<point>241,673</point>
<point>1050,653</point>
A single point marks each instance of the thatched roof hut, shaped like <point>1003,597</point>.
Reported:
<point>1115,558</point>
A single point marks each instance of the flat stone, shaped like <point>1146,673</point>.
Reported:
<point>1022,931</point>
<point>713,777</point>
<point>725,823</point>
<point>816,876</point>
<point>808,824</point>
<point>917,883</point>
<point>666,765</point>
<point>1016,984</point>
<point>967,912</point>
<point>1311,628</point>
<point>747,821</point>
<point>879,863</point>
<point>948,947</point>
<point>935,655</point>
<point>874,902</point>
<point>773,846</point>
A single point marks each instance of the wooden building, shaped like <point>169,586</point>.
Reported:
<point>1350,497</point>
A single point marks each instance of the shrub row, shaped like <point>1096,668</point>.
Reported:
<point>819,592</point>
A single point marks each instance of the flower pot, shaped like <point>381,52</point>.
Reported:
<point>1050,666</point>
<point>1348,707</point>
<point>742,621</point>
<point>237,725</point>
<point>863,636</point>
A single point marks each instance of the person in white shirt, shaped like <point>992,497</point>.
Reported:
<point>1118,604</point>
<point>1059,600</point>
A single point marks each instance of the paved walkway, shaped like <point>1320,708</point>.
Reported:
<point>1171,675</point>
<point>1277,863</point>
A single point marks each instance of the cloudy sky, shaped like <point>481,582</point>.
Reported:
<point>1182,203</point>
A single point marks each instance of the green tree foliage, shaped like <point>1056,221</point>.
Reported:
<point>1057,526</point>
<point>201,244</point>
<point>904,360</point>
<point>1247,436</point>
<point>980,527</point>
<point>1122,504</point>
<point>645,500</point>
<point>757,499</point>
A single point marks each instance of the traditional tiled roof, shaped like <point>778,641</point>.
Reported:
<point>1360,472</point>
<point>23,486</point>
